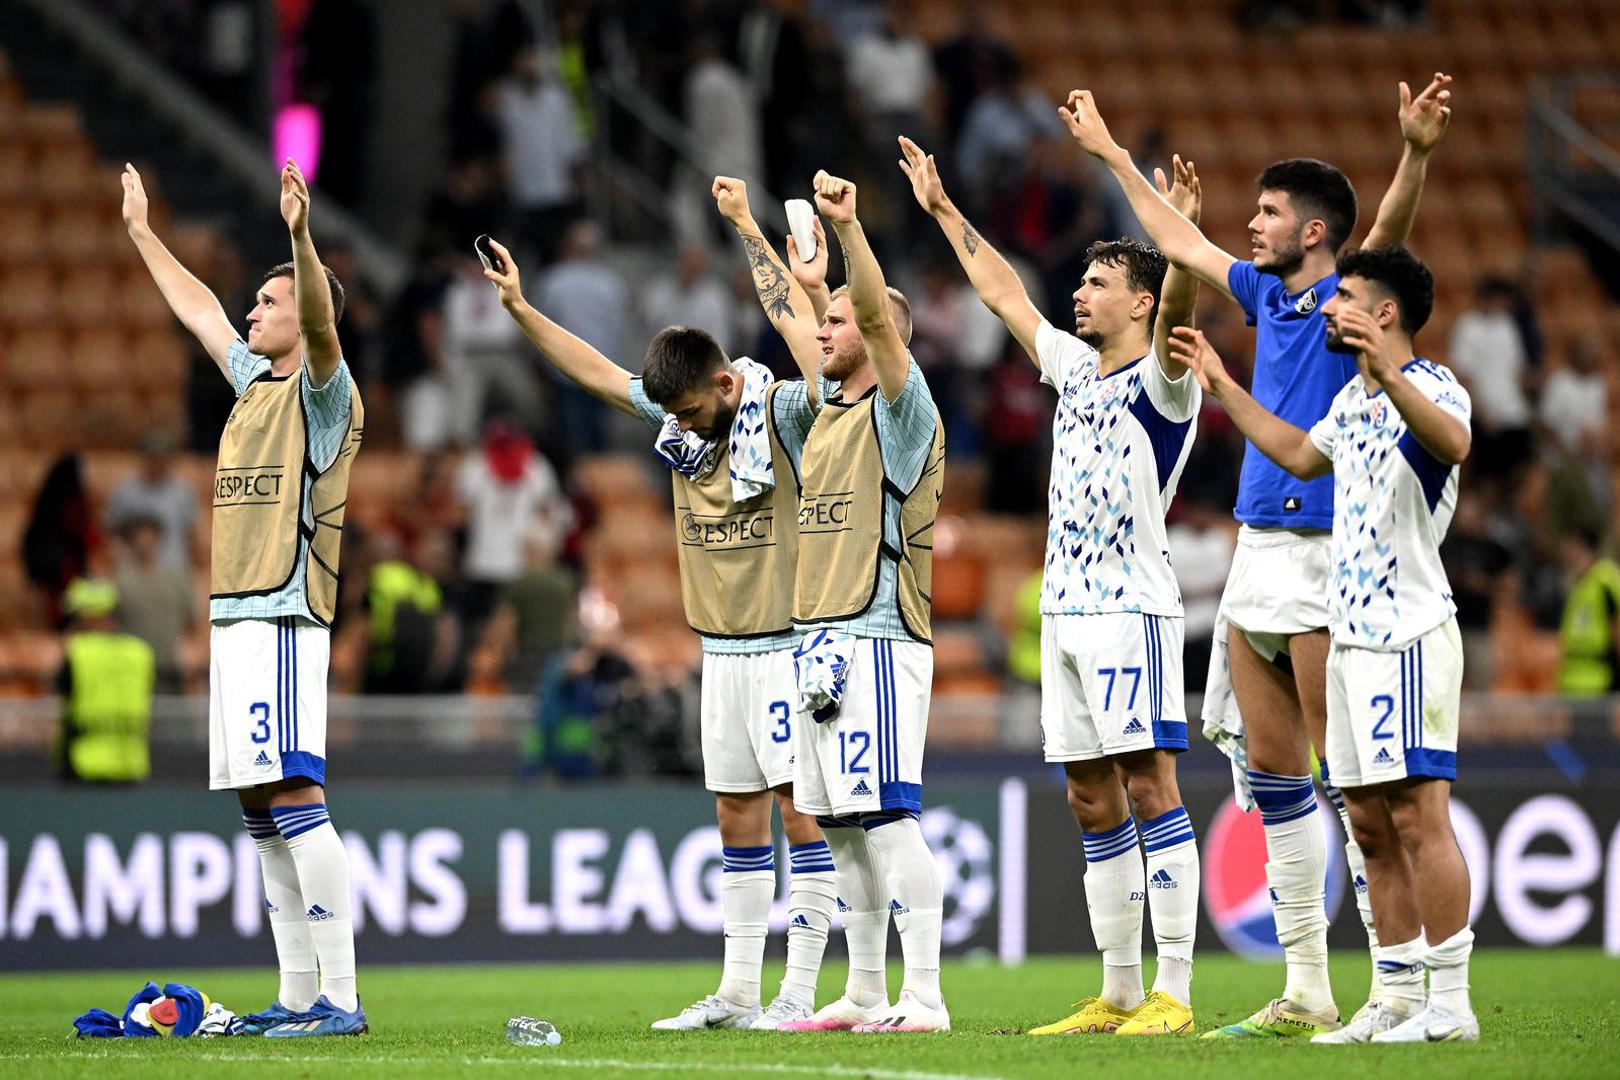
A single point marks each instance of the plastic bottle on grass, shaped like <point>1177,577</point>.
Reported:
<point>527,1031</point>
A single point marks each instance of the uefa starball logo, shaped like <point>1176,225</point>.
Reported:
<point>1236,893</point>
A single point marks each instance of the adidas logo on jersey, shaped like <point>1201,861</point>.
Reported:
<point>897,908</point>
<point>262,760</point>
<point>1382,757</point>
<point>860,788</point>
<point>1163,880</point>
<point>1135,727</point>
<point>316,913</point>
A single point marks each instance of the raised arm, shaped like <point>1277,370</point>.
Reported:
<point>868,292</point>
<point>1275,437</point>
<point>197,308</point>
<point>812,275</point>
<point>1424,120</point>
<point>991,276</point>
<point>780,294</point>
<point>1171,233</point>
<point>317,323</point>
<point>584,366</point>
<point>1439,432</point>
<point>1178,297</point>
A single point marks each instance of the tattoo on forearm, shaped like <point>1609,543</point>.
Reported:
<point>769,281</point>
<point>970,239</point>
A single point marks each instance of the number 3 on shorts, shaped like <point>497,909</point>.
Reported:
<point>780,713</point>
<point>261,711</point>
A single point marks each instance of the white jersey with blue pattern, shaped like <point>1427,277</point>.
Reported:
<point>326,415</point>
<point>1392,504</point>
<point>1119,443</point>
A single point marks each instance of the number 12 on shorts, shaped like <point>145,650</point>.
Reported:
<point>852,748</point>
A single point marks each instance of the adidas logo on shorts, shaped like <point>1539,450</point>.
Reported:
<point>1135,727</point>
<point>1383,757</point>
<point>262,761</point>
<point>897,908</point>
<point>843,906</point>
<point>860,788</point>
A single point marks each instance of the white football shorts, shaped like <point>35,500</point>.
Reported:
<point>1111,684</point>
<point>1393,715</point>
<point>267,701</point>
<point>749,711</point>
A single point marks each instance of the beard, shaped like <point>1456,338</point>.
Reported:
<point>1093,338</point>
<point>1284,262</point>
<point>721,428</point>
<point>841,365</point>
<point>1335,344</point>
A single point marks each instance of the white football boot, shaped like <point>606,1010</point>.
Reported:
<point>784,1010</point>
<point>1371,1019</point>
<point>1432,1023</point>
<point>908,1015</point>
<point>840,1015</point>
<point>713,1011</point>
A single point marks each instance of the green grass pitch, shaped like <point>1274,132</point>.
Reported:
<point>1553,1013</point>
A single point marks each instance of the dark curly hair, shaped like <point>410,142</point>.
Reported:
<point>1144,267</point>
<point>1399,275</point>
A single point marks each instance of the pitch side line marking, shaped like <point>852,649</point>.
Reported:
<point>537,1063</point>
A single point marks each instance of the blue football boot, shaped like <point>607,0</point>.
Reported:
<point>260,1022</point>
<point>323,1018</point>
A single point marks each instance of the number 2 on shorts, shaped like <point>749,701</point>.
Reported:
<point>1381,725</point>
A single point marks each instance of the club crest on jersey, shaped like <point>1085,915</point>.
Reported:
<point>1378,414</point>
<point>1307,303</point>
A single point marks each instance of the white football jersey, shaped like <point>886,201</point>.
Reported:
<point>1392,504</point>
<point>1119,443</point>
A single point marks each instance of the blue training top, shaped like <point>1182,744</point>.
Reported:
<point>1296,378</point>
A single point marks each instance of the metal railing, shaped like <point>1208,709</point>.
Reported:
<point>1573,171</point>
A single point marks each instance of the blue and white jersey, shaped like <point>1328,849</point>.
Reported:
<point>1119,443</point>
<point>326,415</point>
<point>1295,377</point>
<point>1393,502</point>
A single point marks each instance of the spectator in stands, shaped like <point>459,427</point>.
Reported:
<point>61,536</point>
<point>1590,632</point>
<point>1477,566</point>
<point>723,114</point>
<point>1575,413</point>
<point>414,322</point>
<point>155,598</point>
<point>1000,129</point>
<point>509,491</point>
<point>480,364</point>
<point>584,296</point>
<point>106,687</point>
<point>361,326</point>
<point>689,295</point>
<point>1202,540</point>
<point>158,493</point>
<point>939,313</point>
<point>545,155</point>
<point>971,64</point>
<point>535,615</point>
<point>414,639</point>
<point>1017,416</point>
<point>1488,355</point>
<point>340,50</point>
<point>889,78</point>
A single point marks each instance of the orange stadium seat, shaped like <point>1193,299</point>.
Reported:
<point>28,296</point>
<point>22,228</point>
<point>158,359</point>
<point>35,358</point>
<point>52,417</point>
<point>140,305</point>
<point>98,359</point>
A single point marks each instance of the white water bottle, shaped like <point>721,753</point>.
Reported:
<point>527,1031</point>
<point>801,222</point>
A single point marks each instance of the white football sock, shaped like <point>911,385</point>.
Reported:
<point>1401,971</point>
<point>1296,858</point>
<point>1114,887</point>
<point>747,886</point>
<point>812,895</point>
<point>295,948</point>
<point>863,905</point>
<point>1172,888</point>
<point>912,877</point>
<point>323,881</point>
<point>1448,972</point>
<point>1358,879</point>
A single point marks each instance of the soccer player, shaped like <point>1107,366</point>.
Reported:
<point>1265,703</point>
<point>733,439</point>
<point>873,469</point>
<point>1112,709</point>
<point>1393,438</point>
<point>279,492</point>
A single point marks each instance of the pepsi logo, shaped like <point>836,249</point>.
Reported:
<point>1236,893</point>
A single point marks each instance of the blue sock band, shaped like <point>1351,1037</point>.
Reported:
<point>1107,845</point>
<point>294,821</point>
<point>737,860</point>
<point>259,824</point>
<point>1167,830</point>
<point>810,858</point>
<point>1282,798</point>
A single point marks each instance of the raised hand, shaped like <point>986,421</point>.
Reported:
<point>812,274</point>
<point>508,284</point>
<point>1187,194</point>
<point>1192,349</point>
<point>1424,119</point>
<point>924,176</point>
<point>1361,332</point>
<point>835,198</point>
<point>135,204</point>
<point>731,196</point>
<point>1085,123</point>
<point>294,198</point>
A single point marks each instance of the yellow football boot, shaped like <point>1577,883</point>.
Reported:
<point>1159,1014</point>
<point>1094,1017</point>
